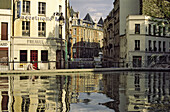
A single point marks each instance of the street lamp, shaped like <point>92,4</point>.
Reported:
<point>61,23</point>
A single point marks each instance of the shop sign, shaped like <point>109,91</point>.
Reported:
<point>39,18</point>
<point>35,42</point>
<point>3,44</point>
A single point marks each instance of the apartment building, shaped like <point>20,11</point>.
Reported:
<point>109,46</point>
<point>38,36</point>
<point>115,53</point>
<point>5,32</point>
<point>114,27</point>
<point>86,38</point>
<point>147,42</point>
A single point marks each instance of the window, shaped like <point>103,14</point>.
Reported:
<point>41,8</point>
<point>74,22</point>
<point>164,31</point>
<point>164,49</point>
<point>4,55</point>
<point>159,30</point>
<point>149,29</point>
<point>149,45</point>
<point>137,28</point>
<point>25,28</point>
<point>4,31</point>
<point>60,31</point>
<point>44,55</point>
<point>154,29</point>
<point>23,55</point>
<point>74,40</point>
<point>26,6</point>
<point>60,8</point>
<point>137,44</point>
<point>159,46</point>
<point>74,31</point>
<point>41,29</point>
<point>154,46</point>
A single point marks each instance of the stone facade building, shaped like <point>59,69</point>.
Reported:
<point>147,43</point>
<point>6,16</point>
<point>86,38</point>
<point>36,34</point>
<point>116,22</point>
<point>117,39</point>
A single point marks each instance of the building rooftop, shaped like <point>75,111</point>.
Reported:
<point>88,19</point>
<point>101,21</point>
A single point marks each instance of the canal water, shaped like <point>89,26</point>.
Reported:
<point>86,92</point>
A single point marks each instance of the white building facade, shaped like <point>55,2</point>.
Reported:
<point>5,33</point>
<point>36,34</point>
<point>147,41</point>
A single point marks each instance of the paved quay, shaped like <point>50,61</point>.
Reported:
<point>82,70</point>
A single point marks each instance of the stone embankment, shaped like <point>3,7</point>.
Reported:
<point>98,70</point>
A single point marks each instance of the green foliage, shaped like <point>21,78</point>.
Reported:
<point>157,8</point>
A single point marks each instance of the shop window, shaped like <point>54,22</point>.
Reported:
<point>137,44</point>
<point>26,7</point>
<point>41,8</point>
<point>4,31</point>
<point>23,55</point>
<point>3,56</point>
<point>137,28</point>
<point>41,29</point>
<point>25,28</point>
<point>44,56</point>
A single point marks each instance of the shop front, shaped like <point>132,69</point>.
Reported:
<point>41,53</point>
<point>4,55</point>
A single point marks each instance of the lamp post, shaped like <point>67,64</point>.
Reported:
<point>61,22</point>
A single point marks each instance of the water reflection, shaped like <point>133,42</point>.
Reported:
<point>119,92</point>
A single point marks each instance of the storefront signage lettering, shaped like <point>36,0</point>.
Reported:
<point>39,18</point>
<point>35,42</point>
<point>3,44</point>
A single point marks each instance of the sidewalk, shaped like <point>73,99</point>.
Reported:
<point>82,70</point>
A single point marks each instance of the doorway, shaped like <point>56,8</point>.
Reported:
<point>137,61</point>
<point>34,58</point>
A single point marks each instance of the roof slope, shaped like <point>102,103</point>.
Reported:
<point>88,19</point>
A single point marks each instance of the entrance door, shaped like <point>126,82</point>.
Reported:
<point>4,31</point>
<point>58,55</point>
<point>137,61</point>
<point>34,58</point>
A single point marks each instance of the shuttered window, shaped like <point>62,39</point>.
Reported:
<point>4,31</point>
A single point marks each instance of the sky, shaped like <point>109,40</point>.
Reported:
<point>96,8</point>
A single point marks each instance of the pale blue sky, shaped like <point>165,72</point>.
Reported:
<point>96,8</point>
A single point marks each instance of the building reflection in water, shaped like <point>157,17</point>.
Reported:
<point>121,92</point>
